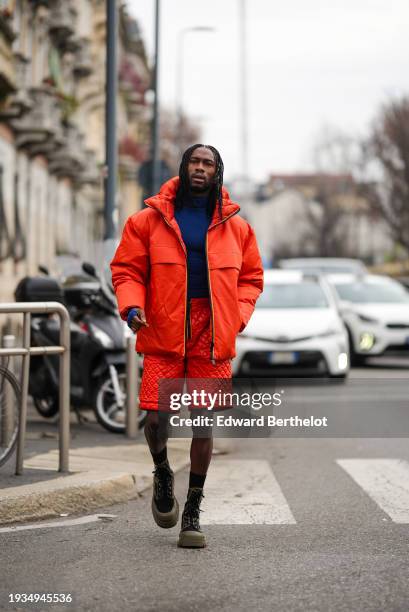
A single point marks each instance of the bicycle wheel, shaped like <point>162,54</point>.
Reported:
<point>10,394</point>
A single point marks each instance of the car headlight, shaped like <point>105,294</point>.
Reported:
<point>366,341</point>
<point>343,361</point>
<point>102,337</point>
<point>366,319</point>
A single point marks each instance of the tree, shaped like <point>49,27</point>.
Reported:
<point>333,193</point>
<point>386,166</point>
<point>327,234</point>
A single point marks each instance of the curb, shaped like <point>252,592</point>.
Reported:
<point>72,494</point>
<point>105,483</point>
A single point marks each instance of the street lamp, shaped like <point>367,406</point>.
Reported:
<point>155,178</point>
<point>244,141</point>
<point>179,78</point>
<point>243,89</point>
<point>110,119</point>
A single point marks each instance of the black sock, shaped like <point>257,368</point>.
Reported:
<point>159,458</point>
<point>196,480</point>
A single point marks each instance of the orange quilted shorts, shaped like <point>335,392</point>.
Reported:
<point>195,368</point>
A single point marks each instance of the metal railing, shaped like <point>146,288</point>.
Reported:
<point>132,388</point>
<point>63,349</point>
<point>7,424</point>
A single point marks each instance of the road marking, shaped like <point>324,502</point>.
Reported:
<point>82,520</point>
<point>386,481</point>
<point>241,492</point>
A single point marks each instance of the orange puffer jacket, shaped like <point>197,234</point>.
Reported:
<point>149,270</point>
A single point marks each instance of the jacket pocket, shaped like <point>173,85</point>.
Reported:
<point>224,269</point>
<point>225,259</point>
<point>166,255</point>
<point>167,282</point>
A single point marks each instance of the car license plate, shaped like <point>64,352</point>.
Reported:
<point>282,357</point>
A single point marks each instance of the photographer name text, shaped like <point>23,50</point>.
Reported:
<point>270,420</point>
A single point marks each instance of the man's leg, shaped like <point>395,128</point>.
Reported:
<point>156,434</point>
<point>191,535</point>
<point>201,374</point>
<point>200,457</point>
<point>165,508</point>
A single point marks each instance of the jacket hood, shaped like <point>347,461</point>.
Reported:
<point>164,201</point>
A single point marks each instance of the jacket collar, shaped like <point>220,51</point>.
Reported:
<point>163,202</point>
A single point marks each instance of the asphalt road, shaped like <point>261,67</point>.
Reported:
<point>292,524</point>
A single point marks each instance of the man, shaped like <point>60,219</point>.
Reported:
<point>187,274</point>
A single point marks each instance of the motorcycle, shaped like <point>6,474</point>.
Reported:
<point>98,350</point>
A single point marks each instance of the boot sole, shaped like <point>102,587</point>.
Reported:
<point>191,539</point>
<point>166,520</point>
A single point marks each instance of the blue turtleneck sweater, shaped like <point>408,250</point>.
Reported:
<point>193,220</point>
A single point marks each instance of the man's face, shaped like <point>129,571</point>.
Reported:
<point>201,170</point>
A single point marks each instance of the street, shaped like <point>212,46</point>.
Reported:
<point>291,524</point>
<point>279,249</point>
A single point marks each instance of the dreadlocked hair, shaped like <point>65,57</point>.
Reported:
<point>215,194</point>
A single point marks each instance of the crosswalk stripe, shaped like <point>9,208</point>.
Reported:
<point>386,481</point>
<point>244,492</point>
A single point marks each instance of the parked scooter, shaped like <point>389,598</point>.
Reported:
<point>98,352</point>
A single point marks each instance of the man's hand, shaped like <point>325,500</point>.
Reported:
<point>139,320</point>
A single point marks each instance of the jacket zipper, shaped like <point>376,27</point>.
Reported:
<point>212,358</point>
<point>189,322</point>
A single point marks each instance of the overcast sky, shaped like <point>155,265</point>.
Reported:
<point>310,63</point>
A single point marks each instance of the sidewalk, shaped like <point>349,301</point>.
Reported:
<point>105,469</point>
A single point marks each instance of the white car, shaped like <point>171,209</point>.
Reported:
<point>295,329</point>
<point>375,310</point>
<point>324,265</point>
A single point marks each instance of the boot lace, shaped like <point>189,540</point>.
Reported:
<point>191,513</point>
<point>163,484</point>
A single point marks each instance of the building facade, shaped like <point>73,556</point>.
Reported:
<point>52,136</point>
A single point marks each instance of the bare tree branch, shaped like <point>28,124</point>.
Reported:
<point>387,148</point>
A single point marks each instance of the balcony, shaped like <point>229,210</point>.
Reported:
<point>62,21</point>
<point>83,62</point>
<point>69,160</point>
<point>39,130</point>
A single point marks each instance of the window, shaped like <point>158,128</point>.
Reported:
<point>361,292</point>
<point>305,294</point>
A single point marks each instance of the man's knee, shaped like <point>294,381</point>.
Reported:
<point>157,424</point>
